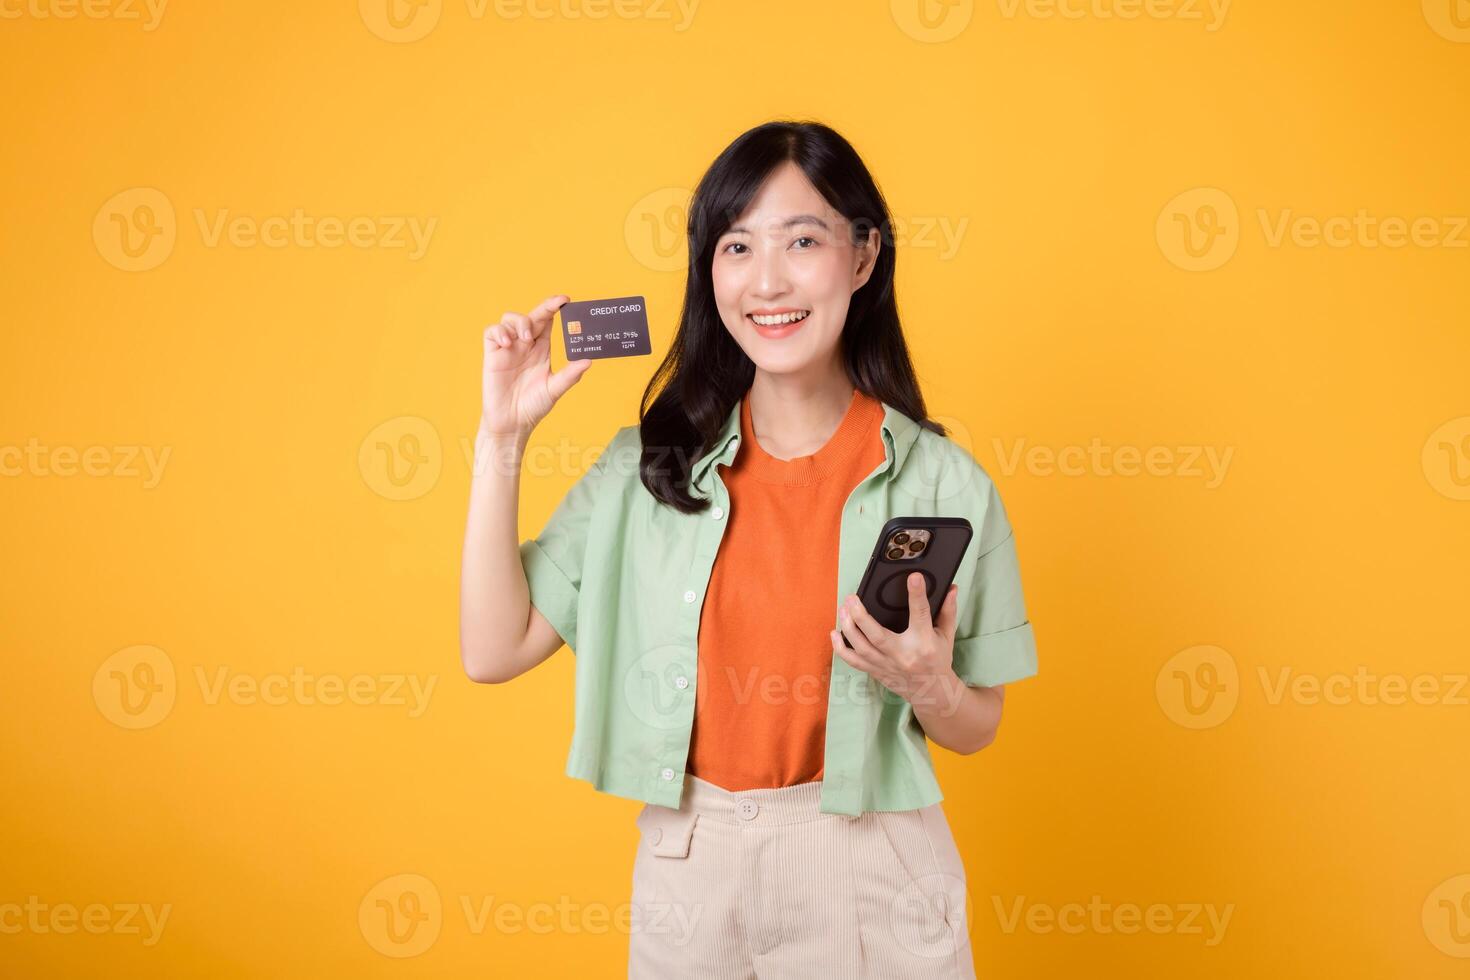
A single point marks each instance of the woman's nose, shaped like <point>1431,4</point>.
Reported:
<point>771,276</point>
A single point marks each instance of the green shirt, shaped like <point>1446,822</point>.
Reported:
<point>622,578</point>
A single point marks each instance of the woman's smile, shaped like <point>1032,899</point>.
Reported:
<point>773,324</point>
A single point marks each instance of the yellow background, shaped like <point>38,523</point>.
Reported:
<point>547,150</point>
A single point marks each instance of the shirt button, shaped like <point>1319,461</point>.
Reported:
<point>689,595</point>
<point>681,682</point>
<point>716,513</point>
<point>667,774</point>
<point>656,836</point>
<point>747,809</point>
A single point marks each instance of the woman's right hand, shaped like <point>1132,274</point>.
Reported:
<point>519,388</point>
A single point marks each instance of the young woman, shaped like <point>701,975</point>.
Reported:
<point>703,571</point>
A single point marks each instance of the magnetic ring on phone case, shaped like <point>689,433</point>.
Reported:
<point>894,592</point>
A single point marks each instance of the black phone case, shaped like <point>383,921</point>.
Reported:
<point>884,589</point>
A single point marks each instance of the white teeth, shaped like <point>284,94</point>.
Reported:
<point>776,321</point>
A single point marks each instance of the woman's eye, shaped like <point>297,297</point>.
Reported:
<point>806,238</point>
<point>734,245</point>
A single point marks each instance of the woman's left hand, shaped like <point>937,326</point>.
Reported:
<point>907,663</point>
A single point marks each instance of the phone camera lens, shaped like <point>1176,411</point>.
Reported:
<point>901,537</point>
<point>916,546</point>
<point>895,553</point>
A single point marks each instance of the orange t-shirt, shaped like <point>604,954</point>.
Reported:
<point>765,660</point>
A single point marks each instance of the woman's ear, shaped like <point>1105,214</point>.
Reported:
<point>867,254</point>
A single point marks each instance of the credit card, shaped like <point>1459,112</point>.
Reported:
<point>605,328</point>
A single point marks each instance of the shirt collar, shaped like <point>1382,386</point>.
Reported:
<point>899,433</point>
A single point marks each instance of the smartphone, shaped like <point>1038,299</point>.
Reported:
<point>931,546</point>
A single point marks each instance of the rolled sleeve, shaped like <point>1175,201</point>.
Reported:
<point>994,643</point>
<point>554,559</point>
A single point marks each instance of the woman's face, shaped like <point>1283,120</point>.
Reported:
<point>789,257</point>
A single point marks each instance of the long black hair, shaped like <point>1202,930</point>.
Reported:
<point>705,373</point>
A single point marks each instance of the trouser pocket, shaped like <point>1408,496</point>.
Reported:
<point>924,888</point>
<point>664,885</point>
<point>667,832</point>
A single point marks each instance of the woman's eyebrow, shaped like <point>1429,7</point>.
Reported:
<point>800,219</point>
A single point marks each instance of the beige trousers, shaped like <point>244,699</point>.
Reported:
<point>761,884</point>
